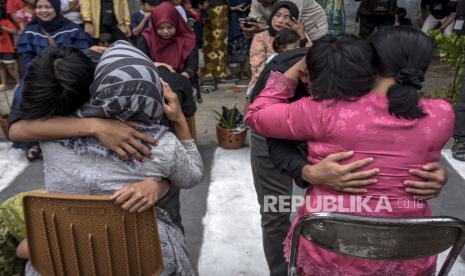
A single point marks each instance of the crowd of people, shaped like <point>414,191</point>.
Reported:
<point>100,88</point>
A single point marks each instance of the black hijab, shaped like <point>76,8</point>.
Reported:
<point>58,22</point>
<point>294,10</point>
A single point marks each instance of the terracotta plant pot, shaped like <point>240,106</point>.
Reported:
<point>4,124</point>
<point>228,139</point>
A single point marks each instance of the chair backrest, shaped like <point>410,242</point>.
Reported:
<point>380,238</point>
<point>89,235</point>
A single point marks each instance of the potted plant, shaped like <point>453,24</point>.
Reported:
<point>230,130</point>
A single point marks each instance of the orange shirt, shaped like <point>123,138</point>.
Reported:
<point>6,44</point>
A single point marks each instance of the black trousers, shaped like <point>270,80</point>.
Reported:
<point>269,182</point>
<point>171,204</point>
<point>459,129</point>
<point>368,23</point>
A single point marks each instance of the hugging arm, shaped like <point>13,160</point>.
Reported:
<point>433,176</point>
<point>187,170</point>
<point>117,136</point>
<point>140,196</point>
<point>271,115</point>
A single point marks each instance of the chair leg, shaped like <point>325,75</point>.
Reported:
<point>292,269</point>
<point>453,254</point>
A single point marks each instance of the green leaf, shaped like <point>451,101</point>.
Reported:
<point>452,53</point>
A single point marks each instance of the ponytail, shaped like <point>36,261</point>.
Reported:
<point>404,54</point>
<point>403,96</point>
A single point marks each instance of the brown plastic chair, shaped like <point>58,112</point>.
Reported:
<point>89,235</point>
<point>378,238</point>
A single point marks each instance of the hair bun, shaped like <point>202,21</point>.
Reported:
<point>410,76</point>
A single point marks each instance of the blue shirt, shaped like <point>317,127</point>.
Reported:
<point>137,17</point>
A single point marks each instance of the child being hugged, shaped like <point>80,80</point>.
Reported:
<point>285,40</point>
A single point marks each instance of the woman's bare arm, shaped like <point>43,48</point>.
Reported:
<point>119,137</point>
<point>173,112</point>
<point>53,128</point>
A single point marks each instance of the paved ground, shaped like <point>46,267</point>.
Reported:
<point>221,214</point>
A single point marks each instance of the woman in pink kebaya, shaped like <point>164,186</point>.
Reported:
<point>363,99</point>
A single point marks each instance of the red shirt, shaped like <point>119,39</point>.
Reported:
<point>6,44</point>
<point>13,5</point>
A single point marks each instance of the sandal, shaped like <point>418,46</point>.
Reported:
<point>33,153</point>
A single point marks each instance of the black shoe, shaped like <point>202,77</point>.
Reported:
<point>458,149</point>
